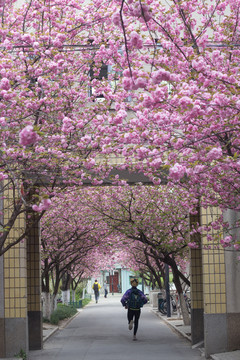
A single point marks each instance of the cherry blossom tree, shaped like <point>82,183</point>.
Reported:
<point>149,219</point>
<point>75,246</point>
<point>151,272</point>
<point>183,78</point>
<point>51,119</point>
<point>173,111</point>
<point>67,240</point>
<point>94,228</point>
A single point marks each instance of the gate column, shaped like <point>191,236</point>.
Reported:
<point>34,283</point>
<point>221,274</point>
<point>13,287</point>
<point>197,322</point>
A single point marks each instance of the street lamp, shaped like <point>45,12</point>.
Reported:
<point>142,282</point>
<point>112,282</point>
<point>167,290</point>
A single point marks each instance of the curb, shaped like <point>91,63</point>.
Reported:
<point>61,327</point>
<point>176,328</point>
<point>232,355</point>
<point>50,334</point>
<point>69,320</point>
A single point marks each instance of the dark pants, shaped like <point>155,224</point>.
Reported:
<point>136,315</point>
<point>96,293</point>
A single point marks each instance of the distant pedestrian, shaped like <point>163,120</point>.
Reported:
<point>96,287</point>
<point>105,289</point>
<point>133,300</point>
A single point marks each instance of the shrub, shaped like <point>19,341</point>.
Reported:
<point>62,312</point>
<point>54,318</point>
<point>85,302</point>
<point>79,292</point>
<point>45,320</point>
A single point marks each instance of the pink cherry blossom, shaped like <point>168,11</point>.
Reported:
<point>215,153</point>
<point>116,19</point>
<point>44,205</point>
<point>28,136</point>
<point>3,121</point>
<point>193,245</point>
<point>226,242</point>
<point>140,83</point>
<point>127,83</point>
<point>177,172</point>
<point>135,40</point>
<point>5,84</point>
<point>3,176</point>
<point>160,75</point>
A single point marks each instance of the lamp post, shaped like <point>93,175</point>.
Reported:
<point>112,283</point>
<point>142,283</point>
<point>167,290</point>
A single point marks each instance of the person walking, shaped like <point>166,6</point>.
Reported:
<point>96,287</point>
<point>105,289</point>
<point>133,300</point>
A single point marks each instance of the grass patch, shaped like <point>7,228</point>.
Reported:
<point>65,311</point>
<point>85,302</point>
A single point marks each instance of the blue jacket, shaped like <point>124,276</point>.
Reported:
<point>126,296</point>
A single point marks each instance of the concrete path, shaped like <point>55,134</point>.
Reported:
<point>101,332</point>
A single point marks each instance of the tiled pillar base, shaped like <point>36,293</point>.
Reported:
<point>35,335</point>
<point>197,326</point>
<point>2,338</point>
<point>215,328</point>
<point>16,337</point>
<point>233,329</point>
<point>34,284</point>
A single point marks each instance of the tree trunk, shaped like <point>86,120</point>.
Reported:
<point>176,279</point>
<point>73,295</point>
<point>185,314</point>
<point>66,297</point>
<point>83,293</point>
<point>49,304</point>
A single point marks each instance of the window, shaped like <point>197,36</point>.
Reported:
<point>101,75</point>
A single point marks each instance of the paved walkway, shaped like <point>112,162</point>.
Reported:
<point>112,319</point>
<point>100,332</point>
<point>185,331</point>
